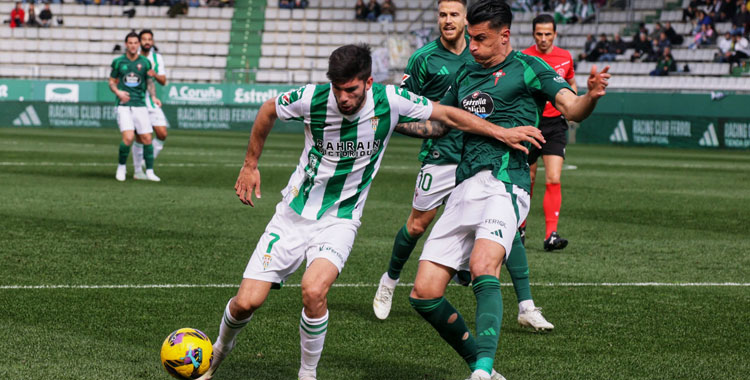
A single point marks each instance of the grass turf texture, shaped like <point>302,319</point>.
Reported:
<point>631,214</point>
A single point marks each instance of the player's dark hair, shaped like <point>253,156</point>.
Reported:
<point>145,31</point>
<point>349,62</point>
<point>544,18</point>
<point>458,1</point>
<point>497,12</point>
<point>132,34</point>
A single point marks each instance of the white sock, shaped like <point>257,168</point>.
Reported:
<point>138,156</point>
<point>158,146</point>
<point>229,328</point>
<point>526,305</point>
<point>388,281</point>
<point>312,336</point>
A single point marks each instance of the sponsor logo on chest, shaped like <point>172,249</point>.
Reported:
<point>478,103</point>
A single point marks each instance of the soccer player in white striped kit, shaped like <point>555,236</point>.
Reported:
<point>348,124</point>
<point>155,113</point>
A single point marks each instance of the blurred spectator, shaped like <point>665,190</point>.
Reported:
<point>585,11</point>
<point>704,37</point>
<point>536,6</point>
<point>674,38</point>
<point>194,3</point>
<point>589,50</point>
<point>642,47</point>
<point>662,43</point>
<point>17,16</point>
<point>361,10</point>
<point>564,12</point>
<point>725,45</point>
<point>31,20</point>
<point>387,11</point>
<point>654,35</point>
<point>727,10</point>
<point>689,13</point>
<point>665,64</point>
<point>373,10</point>
<point>618,46</point>
<point>701,19</point>
<point>288,4</point>
<point>178,9</point>
<point>741,21</point>
<point>741,51</point>
<point>300,4</point>
<point>603,49</point>
<point>45,16</point>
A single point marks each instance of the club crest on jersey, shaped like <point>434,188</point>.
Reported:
<point>374,122</point>
<point>404,78</point>
<point>138,67</point>
<point>478,103</point>
<point>498,74</point>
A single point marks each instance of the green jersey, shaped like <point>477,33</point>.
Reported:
<point>430,71</point>
<point>132,76</point>
<point>510,94</point>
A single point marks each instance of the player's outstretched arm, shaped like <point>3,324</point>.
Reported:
<point>577,108</point>
<point>248,182</point>
<point>467,122</point>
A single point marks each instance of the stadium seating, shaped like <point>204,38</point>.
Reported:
<point>268,44</point>
<point>195,47</point>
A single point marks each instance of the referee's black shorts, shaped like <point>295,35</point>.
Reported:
<point>553,130</point>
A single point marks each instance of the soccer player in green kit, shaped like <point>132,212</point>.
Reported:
<point>478,229</point>
<point>129,82</point>
<point>430,71</point>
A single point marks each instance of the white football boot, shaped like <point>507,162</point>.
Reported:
<point>381,305</point>
<point>218,357</point>
<point>140,174</point>
<point>496,376</point>
<point>533,318</point>
<point>122,172</point>
<point>151,176</point>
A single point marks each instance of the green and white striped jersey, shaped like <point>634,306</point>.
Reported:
<point>157,63</point>
<point>342,153</point>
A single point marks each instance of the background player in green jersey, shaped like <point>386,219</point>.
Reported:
<point>129,81</point>
<point>348,123</point>
<point>431,70</point>
<point>155,114</point>
<point>479,227</point>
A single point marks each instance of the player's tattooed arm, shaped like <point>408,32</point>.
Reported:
<point>151,87</point>
<point>425,129</point>
<point>122,95</point>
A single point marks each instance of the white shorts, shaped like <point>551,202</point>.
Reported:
<point>157,118</point>
<point>434,186</point>
<point>481,207</point>
<point>134,118</point>
<point>289,239</point>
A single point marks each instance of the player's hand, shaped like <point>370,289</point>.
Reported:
<point>514,137</point>
<point>124,96</point>
<point>151,73</point>
<point>157,101</point>
<point>248,182</point>
<point>598,82</point>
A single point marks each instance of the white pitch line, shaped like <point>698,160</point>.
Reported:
<point>373,285</point>
<point>415,167</point>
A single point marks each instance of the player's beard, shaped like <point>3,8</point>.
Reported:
<point>146,49</point>
<point>356,107</point>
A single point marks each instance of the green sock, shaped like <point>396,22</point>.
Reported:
<point>148,155</point>
<point>489,319</point>
<point>518,268</point>
<point>124,153</point>
<point>450,325</point>
<point>402,248</point>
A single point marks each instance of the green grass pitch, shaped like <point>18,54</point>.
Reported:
<point>633,215</point>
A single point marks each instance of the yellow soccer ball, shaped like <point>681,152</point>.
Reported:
<point>187,353</point>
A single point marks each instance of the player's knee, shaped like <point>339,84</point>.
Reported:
<point>128,140</point>
<point>146,139</point>
<point>243,307</point>
<point>423,292</point>
<point>314,296</point>
<point>552,179</point>
<point>484,267</point>
<point>415,228</point>
<point>161,133</point>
